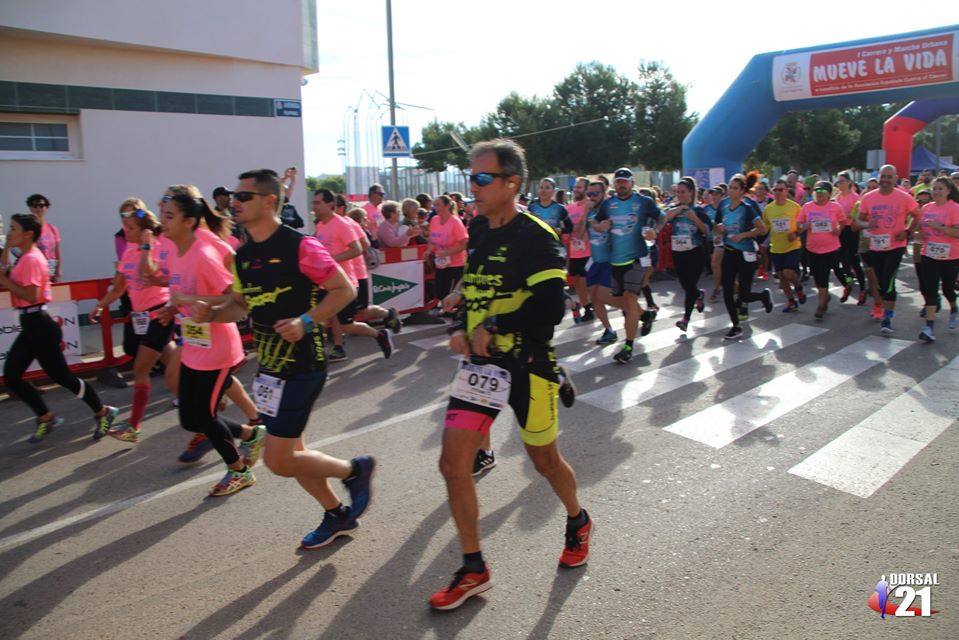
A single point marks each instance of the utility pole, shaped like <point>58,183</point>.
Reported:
<point>394,186</point>
<point>938,144</point>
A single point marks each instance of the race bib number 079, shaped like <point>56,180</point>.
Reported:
<point>484,385</point>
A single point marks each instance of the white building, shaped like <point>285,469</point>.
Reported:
<point>101,100</point>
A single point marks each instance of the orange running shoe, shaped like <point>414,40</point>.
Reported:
<point>576,551</point>
<point>877,312</point>
<point>464,586</point>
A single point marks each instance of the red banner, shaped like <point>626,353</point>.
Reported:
<point>875,67</point>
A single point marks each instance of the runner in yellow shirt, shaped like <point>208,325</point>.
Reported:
<point>785,246</point>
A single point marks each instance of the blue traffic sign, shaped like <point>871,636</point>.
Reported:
<point>396,142</point>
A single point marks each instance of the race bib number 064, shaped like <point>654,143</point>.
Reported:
<point>484,385</point>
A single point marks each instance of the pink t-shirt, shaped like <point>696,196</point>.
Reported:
<point>847,202</point>
<point>358,264</point>
<point>936,244</point>
<point>200,271</point>
<point>373,216</point>
<point>142,296</point>
<point>336,235</point>
<point>48,241</point>
<point>444,236</point>
<point>578,248</point>
<point>221,246</point>
<point>821,222</point>
<point>316,263</point>
<point>31,269</point>
<point>889,213</point>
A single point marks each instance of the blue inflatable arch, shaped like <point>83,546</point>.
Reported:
<point>920,65</point>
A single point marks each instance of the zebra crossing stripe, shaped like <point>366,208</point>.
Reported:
<point>670,337</point>
<point>629,393</point>
<point>865,457</point>
<point>728,421</point>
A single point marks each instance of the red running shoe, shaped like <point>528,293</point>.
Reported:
<point>464,586</point>
<point>576,550</point>
<point>877,312</point>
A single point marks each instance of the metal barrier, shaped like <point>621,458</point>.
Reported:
<point>75,292</point>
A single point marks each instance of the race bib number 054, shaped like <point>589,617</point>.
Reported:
<point>484,385</point>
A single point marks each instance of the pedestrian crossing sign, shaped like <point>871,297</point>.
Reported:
<point>396,142</point>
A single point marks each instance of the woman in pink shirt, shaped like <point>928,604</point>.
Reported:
<point>40,335</point>
<point>210,350</point>
<point>49,241</point>
<point>939,227</point>
<point>848,198</point>
<point>198,445</point>
<point>448,240</point>
<point>154,338</point>
<point>822,220</point>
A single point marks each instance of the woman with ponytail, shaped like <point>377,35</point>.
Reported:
<point>739,223</point>
<point>210,351</point>
<point>848,198</point>
<point>154,339</point>
<point>689,227</point>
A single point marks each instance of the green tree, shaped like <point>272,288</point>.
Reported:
<point>593,91</point>
<point>948,139</point>
<point>336,184</point>
<point>437,149</point>
<point>661,118</point>
<point>516,116</point>
<point>818,140</point>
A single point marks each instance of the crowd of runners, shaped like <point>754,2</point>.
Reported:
<point>193,275</point>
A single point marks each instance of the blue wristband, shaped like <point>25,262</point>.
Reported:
<point>307,321</point>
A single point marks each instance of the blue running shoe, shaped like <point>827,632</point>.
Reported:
<point>360,485</point>
<point>608,337</point>
<point>329,530</point>
<point>105,422</point>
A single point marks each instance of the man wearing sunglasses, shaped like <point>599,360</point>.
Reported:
<point>49,241</point>
<point>290,286</point>
<point>513,298</point>
<point>599,272</point>
<point>376,195</point>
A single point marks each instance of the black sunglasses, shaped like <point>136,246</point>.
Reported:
<point>593,194</point>
<point>484,178</point>
<point>246,196</point>
<point>39,205</point>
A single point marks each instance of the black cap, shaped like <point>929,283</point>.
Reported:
<point>221,191</point>
<point>623,174</point>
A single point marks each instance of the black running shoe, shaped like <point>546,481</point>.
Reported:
<point>392,321</point>
<point>768,300</point>
<point>647,320</point>
<point>567,390</point>
<point>701,301</point>
<point>625,354</point>
<point>483,462</point>
<point>734,333</point>
<point>386,343</point>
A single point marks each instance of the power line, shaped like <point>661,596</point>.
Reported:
<point>523,135</point>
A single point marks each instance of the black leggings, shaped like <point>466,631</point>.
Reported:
<point>200,393</point>
<point>849,255</point>
<point>886,265</point>
<point>934,271</point>
<point>446,279</point>
<point>689,266</point>
<point>735,266</point>
<point>39,340</point>
<point>820,264</point>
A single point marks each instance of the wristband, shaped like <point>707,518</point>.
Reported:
<point>145,247</point>
<point>308,322</point>
<point>491,325</point>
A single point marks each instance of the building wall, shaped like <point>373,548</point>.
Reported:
<point>136,153</point>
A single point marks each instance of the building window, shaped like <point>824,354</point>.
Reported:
<point>37,137</point>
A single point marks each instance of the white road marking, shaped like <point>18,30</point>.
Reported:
<point>724,423</point>
<point>864,458</point>
<point>649,385</point>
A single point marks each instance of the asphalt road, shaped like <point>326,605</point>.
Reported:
<point>739,491</point>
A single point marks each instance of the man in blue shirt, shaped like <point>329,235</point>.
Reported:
<point>634,219</point>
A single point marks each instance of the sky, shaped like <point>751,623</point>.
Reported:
<point>459,59</point>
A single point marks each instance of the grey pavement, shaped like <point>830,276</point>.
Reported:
<point>692,540</point>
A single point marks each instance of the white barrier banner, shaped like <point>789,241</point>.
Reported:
<point>64,313</point>
<point>398,284</point>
